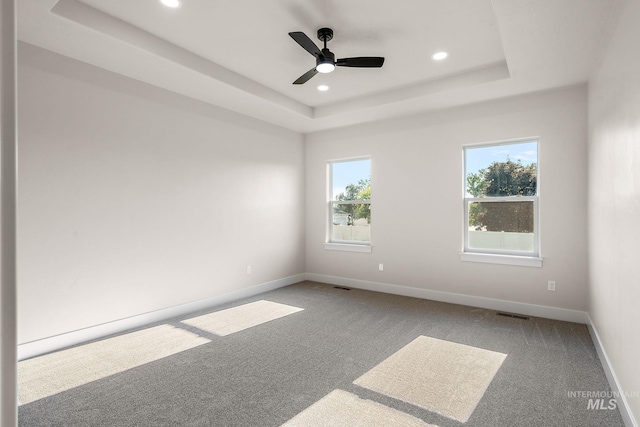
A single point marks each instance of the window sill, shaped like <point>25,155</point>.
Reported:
<point>346,247</point>
<point>524,261</point>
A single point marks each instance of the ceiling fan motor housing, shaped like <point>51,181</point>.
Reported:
<point>327,56</point>
<point>325,34</point>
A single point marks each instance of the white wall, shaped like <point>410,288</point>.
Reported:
<point>417,199</point>
<point>134,199</point>
<point>614,200</point>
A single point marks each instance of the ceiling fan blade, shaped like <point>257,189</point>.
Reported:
<point>306,77</point>
<point>361,61</point>
<point>303,40</point>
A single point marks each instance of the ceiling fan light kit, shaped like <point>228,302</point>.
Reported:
<point>325,67</point>
<point>325,59</point>
<point>171,3</point>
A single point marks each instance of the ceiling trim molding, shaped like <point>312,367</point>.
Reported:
<point>96,20</point>
<point>486,74</point>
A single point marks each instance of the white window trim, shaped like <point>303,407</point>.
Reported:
<point>343,245</point>
<point>348,247</point>
<point>526,259</point>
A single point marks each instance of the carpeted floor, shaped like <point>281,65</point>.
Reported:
<point>340,408</point>
<point>437,375</point>
<point>294,367</point>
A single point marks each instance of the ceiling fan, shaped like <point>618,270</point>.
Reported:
<point>325,59</point>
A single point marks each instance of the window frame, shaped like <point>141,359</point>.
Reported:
<point>502,256</point>
<point>344,245</point>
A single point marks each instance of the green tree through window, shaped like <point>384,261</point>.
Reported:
<point>359,191</point>
<point>503,179</point>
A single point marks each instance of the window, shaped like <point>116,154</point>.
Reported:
<point>501,201</point>
<point>349,204</point>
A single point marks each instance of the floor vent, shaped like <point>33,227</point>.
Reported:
<point>515,316</point>
<point>341,287</point>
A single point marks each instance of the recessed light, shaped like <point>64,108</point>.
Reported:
<point>171,3</point>
<point>323,88</point>
<point>439,56</point>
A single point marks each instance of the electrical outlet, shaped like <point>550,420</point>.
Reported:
<point>380,267</point>
<point>551,285</point>
<point>248,269</point>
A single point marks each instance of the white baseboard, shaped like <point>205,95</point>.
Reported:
<point>470,300</point>
<point>47,345</point>
<point>621,399</point>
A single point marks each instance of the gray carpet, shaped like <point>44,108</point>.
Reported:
<point>267,374</point>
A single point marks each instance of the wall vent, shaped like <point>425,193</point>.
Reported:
<point>515,316</point>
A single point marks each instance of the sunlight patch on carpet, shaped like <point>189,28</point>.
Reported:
<point>440,376</point>
<point>63,370</point>
<point>225,322</point>
<point>340,408</point>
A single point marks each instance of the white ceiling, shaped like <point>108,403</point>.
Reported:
<point>238,54</point>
